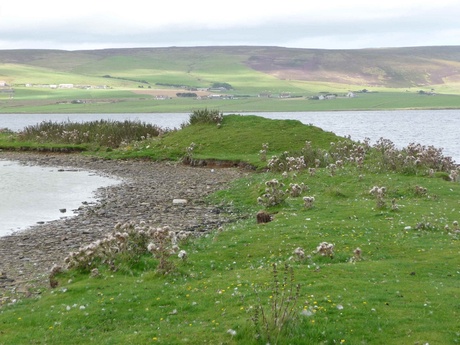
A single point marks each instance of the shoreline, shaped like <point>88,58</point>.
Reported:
<point>146,193</point>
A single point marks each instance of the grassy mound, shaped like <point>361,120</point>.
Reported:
<point>236,138</point>
<point>369,237</point>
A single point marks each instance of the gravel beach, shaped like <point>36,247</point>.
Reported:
<point>146,194</point>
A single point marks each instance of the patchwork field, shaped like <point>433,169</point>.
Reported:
<point>257,78</point>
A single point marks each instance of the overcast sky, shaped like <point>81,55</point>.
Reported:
<point>329,24</point>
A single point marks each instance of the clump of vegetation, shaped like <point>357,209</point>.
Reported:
<point>205,116</point>
<point>269,322</point>
<point>225,86</point>
<point>274,193</point>
<point>103,133</point>
<point>379,194</point>
<point>129,242</point>
<point>263,152</point>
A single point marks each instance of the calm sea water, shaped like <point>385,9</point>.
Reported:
<point>32,194</point>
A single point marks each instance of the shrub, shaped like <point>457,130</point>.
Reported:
<point>205,116</point>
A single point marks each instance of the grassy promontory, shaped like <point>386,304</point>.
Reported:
<point>369,234</point>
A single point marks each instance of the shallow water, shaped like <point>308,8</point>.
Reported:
<point>31,194</point>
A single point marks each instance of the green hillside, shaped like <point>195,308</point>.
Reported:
<point>148,73</point>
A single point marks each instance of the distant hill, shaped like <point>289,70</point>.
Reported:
<point>244,67</point>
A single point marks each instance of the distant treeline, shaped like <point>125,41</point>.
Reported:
<point>186,94</point>
<point>226,86</point>
<point>182,86</point>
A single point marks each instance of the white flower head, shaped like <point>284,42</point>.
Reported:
<point>232,332</point>
<point>182,255</point>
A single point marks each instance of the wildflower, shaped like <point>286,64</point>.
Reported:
<point>308,201</point>
<point>152,247</point>
<point>357,253</point>
<point>332,168</point>
<point>232,332</point>
<point>95,273</point>
<point>299,252</point>
<point>182,255</point>
<point>55,270</point>
<point>420,190</point>
<point>325,249</point>
<point>307,312</point>
<point>379,193</point>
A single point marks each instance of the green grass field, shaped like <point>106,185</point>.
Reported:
<point>401,289</point>
<point>126,101</point>
<point>395,75</point>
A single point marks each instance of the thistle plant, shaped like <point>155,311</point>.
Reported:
<point>263,152</point>
<point>420,191</point>
<point>379,194</point>
<point>357,254</point>
<point>325,249</point>
<point>187,159</point>
<point>269,321</point>
<point>107,133</point>
<point>299,253</point>
<point>274,193</point>
<point>164,244</point>
<point>308,201</point>
<point>332,168</point>
<point>130,241</point>
<point>295,189</point>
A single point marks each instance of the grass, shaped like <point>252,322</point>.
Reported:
<point>250,70</point>
<point>126,101</point>
<point>404,289</point>
<point>233,140</point>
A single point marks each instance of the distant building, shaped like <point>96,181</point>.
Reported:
<point>3,83</point>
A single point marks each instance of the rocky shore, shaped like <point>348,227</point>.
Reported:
<point>159,193</point>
